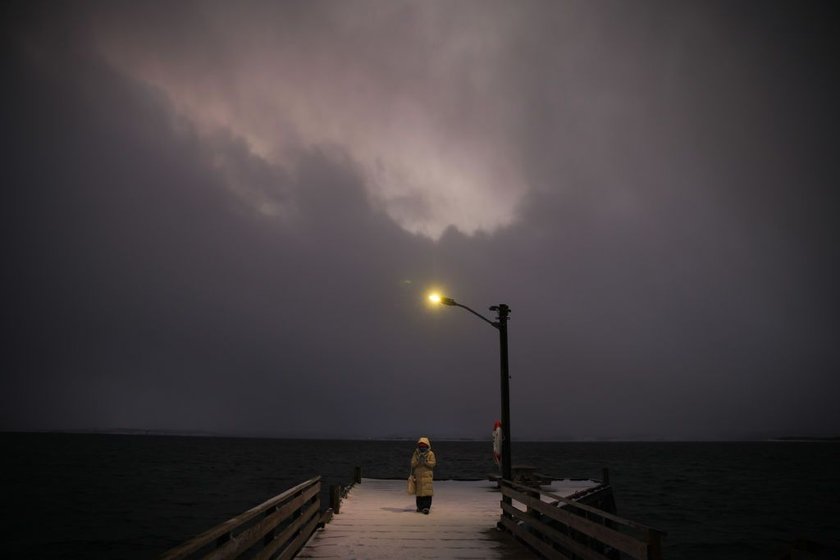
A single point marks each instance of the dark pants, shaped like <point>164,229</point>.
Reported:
<point>424,502</point>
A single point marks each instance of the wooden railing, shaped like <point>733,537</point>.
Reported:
<point>563,528</point>
<point>277,528</point>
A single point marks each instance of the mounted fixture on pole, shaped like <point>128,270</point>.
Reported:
<point>500,324</point>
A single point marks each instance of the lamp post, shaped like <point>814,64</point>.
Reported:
<point>500,324</point>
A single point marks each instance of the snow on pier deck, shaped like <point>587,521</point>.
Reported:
<point>378,519</point>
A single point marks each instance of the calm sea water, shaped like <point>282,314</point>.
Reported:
<point>129,496</point>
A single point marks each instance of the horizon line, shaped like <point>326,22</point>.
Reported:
<point>396,437</point>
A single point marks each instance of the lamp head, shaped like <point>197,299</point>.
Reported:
<point>437,298</point>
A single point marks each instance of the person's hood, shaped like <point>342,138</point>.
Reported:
<point>425,440</point>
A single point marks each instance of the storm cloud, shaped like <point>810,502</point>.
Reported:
<point>225,218</point>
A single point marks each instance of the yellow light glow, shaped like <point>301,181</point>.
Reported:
<point>434,297</point>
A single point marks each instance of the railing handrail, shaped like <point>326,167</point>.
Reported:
<point>585,507</point>
<point>302,492</point>
<point>545,525</point>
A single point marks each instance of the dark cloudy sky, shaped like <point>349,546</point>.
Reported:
<point>225,217</point>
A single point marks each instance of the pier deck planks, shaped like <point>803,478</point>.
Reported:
<point>378,521</point>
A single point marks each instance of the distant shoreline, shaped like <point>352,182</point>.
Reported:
<point>179,433</point>
<point>806,438</point>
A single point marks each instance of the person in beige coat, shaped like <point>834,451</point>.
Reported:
<point>423,462</point>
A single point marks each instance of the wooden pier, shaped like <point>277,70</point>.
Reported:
<point>377,519</point>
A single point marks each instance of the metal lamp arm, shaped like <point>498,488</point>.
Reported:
<point>479,315</point>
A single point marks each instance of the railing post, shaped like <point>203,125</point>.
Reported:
<point>335,498</point>
<point>532,494</point>
<point>357,475</point>
<point>654,551</point>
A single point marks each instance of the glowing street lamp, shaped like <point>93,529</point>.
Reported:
<point>503,311</point>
